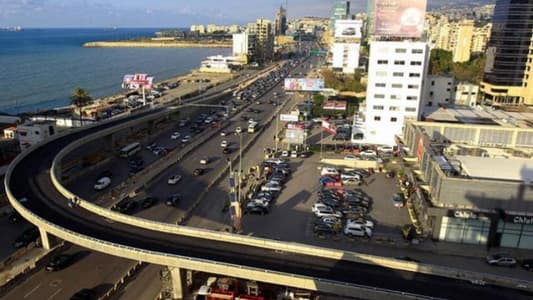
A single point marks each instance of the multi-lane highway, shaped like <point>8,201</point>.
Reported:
<point>31,179</point>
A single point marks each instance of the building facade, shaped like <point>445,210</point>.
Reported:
<point>466,93</point>
<point>281,21</point>
<point>462,40</point>
<point>244,46</point>
<point>508,78</point>
<point>264,36</point>
<point>345,57</point>
<point>395,88</point>
<point>439,90</point>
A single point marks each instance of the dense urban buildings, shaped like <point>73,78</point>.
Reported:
<point>508,78</point>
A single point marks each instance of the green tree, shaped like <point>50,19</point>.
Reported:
<point>80,98</point>
<point>440,61</point>
<point>471,71</point>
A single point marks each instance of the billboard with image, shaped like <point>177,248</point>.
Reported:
<point>136,81</point>
<point>304,84</point>
<point>399,18</point>
<point>348,28</point>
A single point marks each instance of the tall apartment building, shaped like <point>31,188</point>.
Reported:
<point>508,77</point>
<point>264,35</point>
<point>480,38</point>
<point>199,28</point>
<point>281,21</point>
<point>341,11</point>
<point>244,46</point>
<point>395,88</point>
<point>345,57</point>
<point>462,40</point>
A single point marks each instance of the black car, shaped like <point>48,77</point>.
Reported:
<point>59,262</point>
<point>135,169</point>
<point>257,209</point>
<point>198,172</point>
<point>527,264</point>
<point>127,207</point>
<point>324,229</point>
<point>172,200</point>
<point>135,162</point>
<point>148,202</point>
<point>84,294</point>
<point>226,150</point>
<point>26,237</point>
<point>15,218</point>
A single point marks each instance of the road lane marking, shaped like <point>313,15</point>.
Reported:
<point>55,293</point>
<point>32,290</point>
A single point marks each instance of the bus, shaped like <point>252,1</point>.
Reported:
<point>252,126</point>
<point>130,150</point>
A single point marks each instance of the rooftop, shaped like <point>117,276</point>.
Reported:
<point>515,169</point>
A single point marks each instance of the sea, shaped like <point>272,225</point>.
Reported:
<point>39,68</point>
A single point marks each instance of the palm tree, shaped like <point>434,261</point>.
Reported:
<point>80,98</point>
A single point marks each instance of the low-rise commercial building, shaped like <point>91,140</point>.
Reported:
<point>439,90</point>
<point>466,93</point>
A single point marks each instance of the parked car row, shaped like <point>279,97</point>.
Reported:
<point>341,209</point>
<point>506,260</point>
<point>332,176</point>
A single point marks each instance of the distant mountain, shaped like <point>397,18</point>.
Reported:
<point>436,4</point>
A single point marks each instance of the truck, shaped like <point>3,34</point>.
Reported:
<point>252,127</point>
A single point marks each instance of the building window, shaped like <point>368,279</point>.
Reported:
<point>396,86</point>
<point>417,51</point>
<point>414,74</point>
<point>412,97</point>
<point>431,93</point>
<point>394,108</point>
<point>380,85</point>
<point>379,96</point>
<point>397,74</point>
<point>448,90</point>
<point>377,118</point>
<point>393,119</point>
<point>382,62</point>
<point>432,82</point>
<point>377,107</point>
<point>400,50</point>
<point>399,62</point>
<point>381,73</point>
<point>412,86</point>
<point>410,109</point>
<point>416,63</point>
<point>394,97</point>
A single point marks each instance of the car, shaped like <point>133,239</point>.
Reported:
<point>106,173</point>
<point>257,209</point>
<point>226,150</point>
<point>204,160</point>
<point>324,180</point>
<point>222,133</point>
<point>527,264</point>
<point>361,221</point>
<point>324,229</point>
<point>398,200</point>
<point>127,207</point>
<point>238,130</point>
<point>102,183</point>
<point>134,161</point>
<point>329,171</point>
<point>174,179</point>
<point>350,175</point>
<point>186,139</point>
<point>59,262</point>
<point>172,200</point>
<point>83,294</point>
<point>175,135</point>
<point>321,210</point>
<point>15,218</point>
<point>284,153</point>
<point>198,172</point>
<point>333,203</point>
<point>158,151</point>
<point>501,259</point>
<point>271,187</point>
<point>148,202</point>
<point>368,153</point>
<point>357,230</point>
<point>151,146</point>
<point>276,161</point>
<point>264,195</point>
<point>224,144</point>
<point>28,236</point>
<point>385,149</point>
<point>331,221</point>
<point>354,210</point>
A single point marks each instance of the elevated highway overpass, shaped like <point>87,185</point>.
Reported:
<point>33,176</point>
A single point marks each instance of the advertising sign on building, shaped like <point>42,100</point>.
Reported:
<point>348,28</point>
<point>335,105</point>
<point>294,136</point>
<point>304,84</point>
<point>399,18</point>
<point>288,118</point>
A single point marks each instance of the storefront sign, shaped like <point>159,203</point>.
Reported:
<point>465,214</point>
<point>527,220</point>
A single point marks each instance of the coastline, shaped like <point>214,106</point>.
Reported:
<point>155,44</point>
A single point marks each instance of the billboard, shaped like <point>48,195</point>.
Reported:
<point>304,84</point>
<point>288,118</point>
<point>335,105</point>
<point>294,136</point>
<point>136,81</point>
<point>348,28</point>
<point>399,18</point>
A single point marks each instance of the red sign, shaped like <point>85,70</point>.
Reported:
<point>327,126</point>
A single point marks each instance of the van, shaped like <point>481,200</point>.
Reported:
<point>329,171</point>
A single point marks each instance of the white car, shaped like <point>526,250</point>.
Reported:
<point>368,153</point>
<point>362,222</point>
<point>351,157</point>
<point>323,211</point>
<point>224,144</point>
<point>186,139</point>
<point>349,176</point>
<point>294,154</point>
<point>271,187</point>
<point>175,135</point>
<point>204,161</point>
<point>222,133</point>
<point>385,149</point>
<point>174,179</point>
<point>357,230</point>
<point>238,130</point>
<point>284,153</point>
<point>102,183</point>
<point>276,161</point>
<point>329,171</point>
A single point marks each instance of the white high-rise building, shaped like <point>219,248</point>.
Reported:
<point>395,88</point>
<point>240,43</point>
<point>345,57</point>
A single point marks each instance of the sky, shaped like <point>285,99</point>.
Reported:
<point>156,13</point>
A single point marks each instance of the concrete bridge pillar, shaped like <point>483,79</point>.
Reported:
<point>47,241</point>
<point>177,284</point>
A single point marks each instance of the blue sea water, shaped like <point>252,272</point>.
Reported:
<point>39,68</point>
